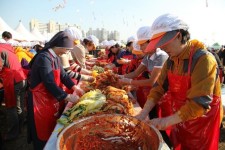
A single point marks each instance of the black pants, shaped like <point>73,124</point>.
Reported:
<point>32,133</point>
<point>15,115</point>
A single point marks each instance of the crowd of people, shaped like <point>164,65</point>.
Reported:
<point>175,80</point>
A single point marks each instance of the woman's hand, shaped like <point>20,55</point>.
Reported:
<point>125,81</point>
<point>164,123</point>
<point>77,90</point>
<point>123,61</point>
<point>72,98</point>
<point>87,78</point>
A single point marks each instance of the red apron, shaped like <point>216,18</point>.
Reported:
<point>69,91</point>
<point>47,109</point>
<point>8,76</point>
<point>201,133</point>
<point>124,67</point>
<point>8,83</point>
<point>110,59</point>
<point>142,92</point>
<point>133,65</point>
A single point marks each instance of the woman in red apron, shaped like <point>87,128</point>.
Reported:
<point>152,64</point>
<point>142,91</point>
<point>114,55</point>
<point>127,56</point>
<point>146,75</point>
<point>46,98</point>
<point>189,86</point>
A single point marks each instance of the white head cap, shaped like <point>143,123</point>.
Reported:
<point>136,48</point>
<point>104,43</point>
<point>164,30</point>
<point>2,41</point>
<point>74,32</point>
<point>111,43</point>
<point>131,39</point>
<point>166,23</point>
<point>94,39</point>
<point>143,34</point>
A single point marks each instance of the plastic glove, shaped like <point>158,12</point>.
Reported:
<point>110,66</point>
<point>131,98</point>
<point>72,98</point>
<point>164,123</point>
<point>85,71</point>
<point>120,76</point>
<point>87,78</point>
<point>145,111</point>
<point>123,61</point>
<point>78,91</point>
<point>125,81</point>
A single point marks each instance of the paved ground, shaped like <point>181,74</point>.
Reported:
<point>21,142</point>
<point>222,136</point>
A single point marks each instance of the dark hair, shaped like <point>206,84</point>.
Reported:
<point>7,35</point>
<point>185,36</point>
<point>117,45</point>
<point>129,44</point>
<point>37,48</point>
<point>87,42</point>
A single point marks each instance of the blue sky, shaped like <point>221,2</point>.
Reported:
<point>126,16</point>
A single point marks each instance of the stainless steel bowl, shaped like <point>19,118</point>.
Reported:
<point>109,131</point>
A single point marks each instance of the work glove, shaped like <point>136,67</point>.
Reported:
<point>125,81</point>
<point>164,123</point>
<point>72,98</point>
<point>87,78</point>
<point>145,111</point>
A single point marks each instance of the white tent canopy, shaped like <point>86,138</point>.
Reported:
<point>25,33</point>
<point>48,36</point>
<point>5,27</point>
<point>35,32</point>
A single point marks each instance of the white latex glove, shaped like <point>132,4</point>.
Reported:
<point>85,71</point>
<point>87,78</point>
<point>110,66</point>
<point>164,123</point>
<point>145,111</point>
<point>72,98</point>
<point>120,76</point>
<point>131,97</point>
<point>123,61</point>
<point>125,81</point>
<point>127,61</point>
<point>78,91</point>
